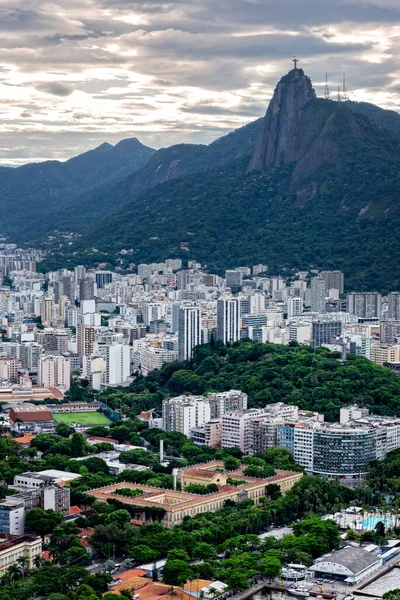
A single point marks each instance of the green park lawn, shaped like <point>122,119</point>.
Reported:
<point>83,418</point>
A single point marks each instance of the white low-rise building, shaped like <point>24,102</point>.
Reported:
<point>350,564</point>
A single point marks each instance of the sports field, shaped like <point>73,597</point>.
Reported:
<point>83,418</point>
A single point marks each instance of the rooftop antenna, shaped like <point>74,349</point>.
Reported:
<point>339,99</point>
<point>295,61</point>
<point>326,87</point>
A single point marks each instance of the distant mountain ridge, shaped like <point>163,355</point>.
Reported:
<point>321,188</point>
<point>30,192</point>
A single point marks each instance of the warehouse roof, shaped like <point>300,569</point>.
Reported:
<point>354,559</point>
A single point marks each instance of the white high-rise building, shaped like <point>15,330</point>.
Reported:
<point>300,332</point>
<point>295,306</point>
<point>183,413</point>
<point>55,371</point>
<point>152,357</point>
<point>118,364</point>
<point>189,331</point>
<point>30,354</point>
<point>236,429</point>
<point>47,310</point>
<point>192,414</point>
<point>228,320</point>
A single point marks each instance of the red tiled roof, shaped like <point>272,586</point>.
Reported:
<point>25,439</point>
<point>195,472</point>
<point>74,510</point>
<point>131,573</point>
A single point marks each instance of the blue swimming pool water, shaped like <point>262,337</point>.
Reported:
<point>370,522</point>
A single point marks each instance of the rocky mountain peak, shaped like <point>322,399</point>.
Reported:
<point>277,143</point>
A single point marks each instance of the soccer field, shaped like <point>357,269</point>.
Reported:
<point>83,418</point>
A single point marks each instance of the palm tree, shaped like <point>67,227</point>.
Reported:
<point>38,561</point>
<point>6,580</point>
<point>23,561</point>
<point>14,571</point>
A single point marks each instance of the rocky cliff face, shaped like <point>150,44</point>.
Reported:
<point>279,141</point>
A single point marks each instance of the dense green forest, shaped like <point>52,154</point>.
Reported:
<point>313,380</point>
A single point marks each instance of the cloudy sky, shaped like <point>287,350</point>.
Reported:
<point>75,73</point>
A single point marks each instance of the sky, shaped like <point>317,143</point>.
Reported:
<point>76,73</point>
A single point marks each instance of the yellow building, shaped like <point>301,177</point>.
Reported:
<point>178,505</point>
<point>383,354</point>
<point>12,547</point>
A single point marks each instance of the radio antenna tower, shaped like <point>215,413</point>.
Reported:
<point>344,90</point>
<point>326,87</point>
<point>339,99</point>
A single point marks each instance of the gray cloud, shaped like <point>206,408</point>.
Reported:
<point>55,88</point>
<point>176,71</point>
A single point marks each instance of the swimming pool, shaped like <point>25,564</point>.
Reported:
<point>370,522</point>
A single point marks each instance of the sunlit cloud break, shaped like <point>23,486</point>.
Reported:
<point>76,73</point>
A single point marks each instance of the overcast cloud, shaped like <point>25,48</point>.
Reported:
<point>75,73</point>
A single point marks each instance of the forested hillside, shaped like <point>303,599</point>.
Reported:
<point>313,380</point>
<point>336,217</point>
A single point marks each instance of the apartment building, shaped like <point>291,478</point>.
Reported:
<point>236,429</point>
<point>153,357</point>
<point>223,402</point>
<point>185,413</point>
<point>55,371</point>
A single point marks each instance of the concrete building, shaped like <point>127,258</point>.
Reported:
<point>39,479</point>
<point>324,332</point>
<point>223,402</point>
<point>12,516</point>
<point>85,339</point>
<point>318,294</point>
<point>364,304</point>
<point>236,429</point>
<point>394,305</point>
<point>295,306</point>
<point>47,310</point>
<point>153,357</point>
<point>381,354</point>
<point>234,281</point>
<point>29,355</point>
<point>228,320</point>
<point>300,333</point>
<point>191,414</point>
<point>9,367</point>
<point>118,364</point>
<point>352,413</point>
<point>189,331</point>
<point>55,371</point>
<point>389,331</point>
<point>334,280</point>
<point>184,413</point>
